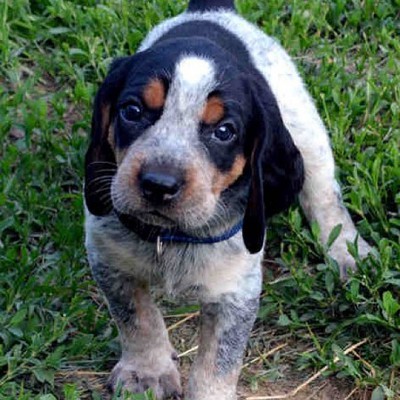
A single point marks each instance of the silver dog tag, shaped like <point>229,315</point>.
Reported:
<point>159,247</point>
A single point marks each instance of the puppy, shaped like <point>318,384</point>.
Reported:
<point>196,140</point>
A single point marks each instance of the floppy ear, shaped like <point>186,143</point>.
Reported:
<point>100,164</point>
<point>277,172</point>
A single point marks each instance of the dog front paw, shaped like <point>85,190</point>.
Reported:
<point>138,375</point>
<point>345,260</point>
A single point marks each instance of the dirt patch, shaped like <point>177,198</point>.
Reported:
<point>268,355</point>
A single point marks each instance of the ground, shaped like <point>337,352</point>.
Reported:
<point>254,383</point>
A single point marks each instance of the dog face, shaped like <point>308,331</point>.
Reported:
<point>184,135</point>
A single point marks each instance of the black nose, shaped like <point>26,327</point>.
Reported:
<point>160,187</point>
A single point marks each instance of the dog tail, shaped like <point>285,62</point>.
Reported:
<point>210,5</point>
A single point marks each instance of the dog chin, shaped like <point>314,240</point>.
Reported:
<point>155,218</point>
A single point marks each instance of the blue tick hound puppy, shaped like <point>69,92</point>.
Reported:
<point>196,140</point>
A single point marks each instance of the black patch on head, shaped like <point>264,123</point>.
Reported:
<point>217,35</point>
<point>207,5</point>
<point>126,132</point>
<point>236,102</point>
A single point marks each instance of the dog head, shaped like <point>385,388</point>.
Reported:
<point>185,135</point>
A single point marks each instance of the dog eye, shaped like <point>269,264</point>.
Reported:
<point>131,112</point>
<point>225,133</point>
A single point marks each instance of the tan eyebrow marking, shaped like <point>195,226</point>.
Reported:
<point>154,94</point>
<point>213,110</point>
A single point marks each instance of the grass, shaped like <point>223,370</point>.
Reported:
<point>53,55</point>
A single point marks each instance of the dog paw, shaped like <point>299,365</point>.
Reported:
<point>345,260</point>
<point>139,375</point>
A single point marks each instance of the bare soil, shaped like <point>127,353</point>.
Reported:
<point>267,352</point>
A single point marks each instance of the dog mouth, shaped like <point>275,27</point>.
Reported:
<point>155,217</point>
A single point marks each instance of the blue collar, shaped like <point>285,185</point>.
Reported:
<point>151,233</point>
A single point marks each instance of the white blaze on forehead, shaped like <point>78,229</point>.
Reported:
<point>192,82</point>
<point>195,71</point>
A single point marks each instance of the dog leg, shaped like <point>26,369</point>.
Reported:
<point>227,317</point>
<point>148,360</point>
<point>224,332</point>
<point>322,202</point>
<point>321,197</point>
